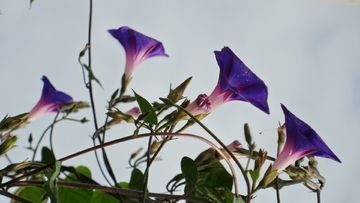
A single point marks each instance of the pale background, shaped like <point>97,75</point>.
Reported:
<point>307,52</point>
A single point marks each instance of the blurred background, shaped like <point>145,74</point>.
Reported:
<point>306,52</point>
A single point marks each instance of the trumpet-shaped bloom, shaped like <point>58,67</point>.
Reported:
<point>236,82</point>
<point>138,47</point>
<point>51,100</point>
<point>301,141</point>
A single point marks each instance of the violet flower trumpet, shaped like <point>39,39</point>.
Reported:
<point>236,82</point>
<point>51,100</point>
<point>138,47</point>
<point>301,141</point>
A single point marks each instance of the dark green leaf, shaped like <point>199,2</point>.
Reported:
<point>33,194</point>
<point>216,175</point>
<point>92,76</point>
<point>208,192</point>
<point>147,109</point>
<point>189,169</point>
<point>31,1</point>
<point>102,197</point>
<point>76,195</point>
<point>47,156</point>
<point>50,185</point>
<point>136,180</point>
<point>229,196</point>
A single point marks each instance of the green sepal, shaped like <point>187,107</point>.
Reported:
<point>176,94</point>
<point>254,175</point>
<point>8,122</point>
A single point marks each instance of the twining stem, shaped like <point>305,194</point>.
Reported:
<point>51,132</point>
<point>226,149</point>
<point>106,189</point>
<point>42,136</point>
<point>107,163</point>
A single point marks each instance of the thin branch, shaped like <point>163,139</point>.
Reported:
<point>51,131</point>
<point>124,139</point>
<point>15,197</point>
<point>108,189</point>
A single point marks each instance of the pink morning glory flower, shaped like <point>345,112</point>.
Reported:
<point>236,82</point>
<point>138,47</point>
<point>51,100</point>
<point>301,141</point>
<point>134,112</point>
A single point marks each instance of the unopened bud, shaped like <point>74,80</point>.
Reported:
<point>260,159</point>
<point>247,134</point>
<point>155,146</point>
<point>8,144</point>
<point>176,94</point>
<point>281,134</point>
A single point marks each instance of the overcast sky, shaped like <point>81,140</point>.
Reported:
<point>306,52</point>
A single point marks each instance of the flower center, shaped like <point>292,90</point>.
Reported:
<point>204,101</point>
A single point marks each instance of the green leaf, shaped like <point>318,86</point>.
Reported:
<point>147,109</point>
<point>33,194</point>
<point>50,185</point>
<point>76,195</point>
<point>31,1</point>
<point>47,156</point>
<point>229,196</point>
<point>216,175</point>
<point>92,76</point>
<point>208,192</point>
<point>239,200</point>
<point>102,197</point>
<point>136,180</point>
<point>189,169</point>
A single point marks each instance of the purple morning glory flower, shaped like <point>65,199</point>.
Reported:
<point>236,82</point>
<point>50,101</point>
<point>138,47</point>
<point>301,141</point>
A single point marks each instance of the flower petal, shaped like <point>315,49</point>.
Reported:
<point>305,137</point>
<point>50,100</point>
<point>237,77</point>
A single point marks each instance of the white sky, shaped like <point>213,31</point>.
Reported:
<point>307,52</point>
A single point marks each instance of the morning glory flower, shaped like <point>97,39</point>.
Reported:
<point>138,47</point>
<point>236,82</point>
<point>301,141</point>
<point>51,100</point>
